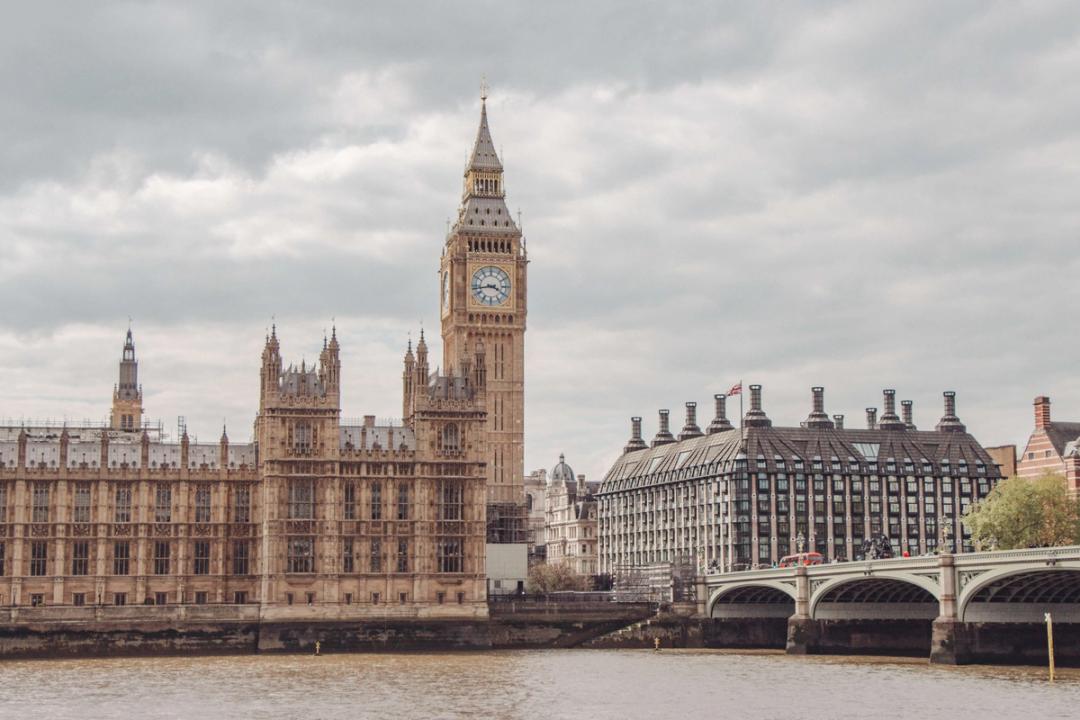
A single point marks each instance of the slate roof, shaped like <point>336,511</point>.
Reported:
<point>486,214</point>
<point>1061,434</point>
<point>772,449</point>
<point>484,156</point>
<point>384,437</point>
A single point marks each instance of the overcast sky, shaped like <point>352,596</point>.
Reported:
<point>856,195</point>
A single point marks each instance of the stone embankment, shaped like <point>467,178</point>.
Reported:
<point>82,632</point>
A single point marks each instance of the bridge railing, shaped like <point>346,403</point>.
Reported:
<point>921,562</point>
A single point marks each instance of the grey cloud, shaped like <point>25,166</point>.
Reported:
<point>849,194</point>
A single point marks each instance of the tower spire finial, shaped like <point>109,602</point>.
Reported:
<point>483,89</point>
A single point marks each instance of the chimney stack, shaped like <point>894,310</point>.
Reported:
<point>889,419</point>
<point>838,420</point>
<point>871,418</point>
<point>636,443</point>
<point>690,429</point>
<point>720,422</point>
<point>1042,412</point>
<point>663,435</point>
<point>756,417</point>
<point>949,422</point>
<point>905,414</point>
<point>818,418</point>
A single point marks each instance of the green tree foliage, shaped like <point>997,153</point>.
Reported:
<point>544,578</point>
<point>1021,513</point>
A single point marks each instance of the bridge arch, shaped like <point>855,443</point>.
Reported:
<point>1022,594</point>
<point>882,595</point>
<point>770,597</point>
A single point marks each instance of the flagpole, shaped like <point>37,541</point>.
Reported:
<point>740,402</point>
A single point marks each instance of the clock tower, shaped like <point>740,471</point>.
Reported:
<point>483,298</point>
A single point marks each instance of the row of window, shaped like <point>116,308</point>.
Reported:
<point>239,597</point>
<point>161,564</point>
<point>122,503</point>
<point>449,557</point>
<point>301,502</point>
<point>450,498</point>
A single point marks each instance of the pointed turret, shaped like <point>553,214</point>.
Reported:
<point>483,206</point>
<point>483,155</point>
<point>422,370</point>
<point>270,374</point>
<point>408,381</point>
<point>127,395</point>
<point>223,447</point>
<point>330,364</point>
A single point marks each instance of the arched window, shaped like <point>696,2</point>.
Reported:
<point>451,439</point>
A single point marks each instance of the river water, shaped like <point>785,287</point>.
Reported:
<point>538,684</point>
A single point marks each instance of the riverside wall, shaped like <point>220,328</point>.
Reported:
<point>225,629</point>
<point>95,632</point>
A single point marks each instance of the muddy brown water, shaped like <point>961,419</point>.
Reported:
<point>531,684</point>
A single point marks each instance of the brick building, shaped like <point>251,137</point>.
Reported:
<point>1053,447</point>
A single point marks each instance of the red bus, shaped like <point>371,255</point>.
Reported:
<point>808,558</point>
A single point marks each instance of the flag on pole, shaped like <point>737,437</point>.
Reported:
<point>736,389</point>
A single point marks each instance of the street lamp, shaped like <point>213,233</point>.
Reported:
<point>800,542</point>
<point>946,534</point>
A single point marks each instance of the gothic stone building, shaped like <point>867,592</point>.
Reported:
<point>317,516</point>
<point>733,498</point>
<point>314,513</point>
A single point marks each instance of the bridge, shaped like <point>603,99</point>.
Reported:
<point>968,607</point>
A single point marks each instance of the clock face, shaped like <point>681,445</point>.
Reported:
<point>491,285</point>
<point>445,290</point>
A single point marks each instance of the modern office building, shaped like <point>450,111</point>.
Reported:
<point>737,497</point>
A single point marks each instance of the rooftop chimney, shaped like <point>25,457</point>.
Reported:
<point>755,416</point>
<point>1042,412</point>
<point>690,429</point>
<point>839,421</point>
<point>818,418</point>
<point>889,419</point>
<point>636,443</point>
<point>871,418</point>
<point>720,422</point>
<point>905,414</point>
<point>663,435</point>
<point>949,422</point>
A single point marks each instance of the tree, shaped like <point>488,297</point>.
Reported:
<point>544,578</point>
<point>1021,513</point>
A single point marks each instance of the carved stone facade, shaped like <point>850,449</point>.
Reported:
<point>317,517</point>
<point>483,285</point>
